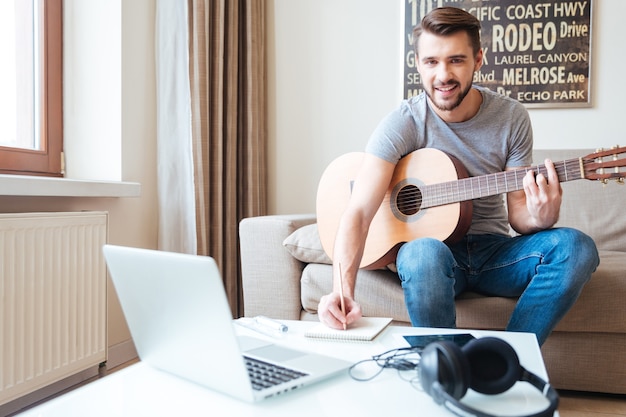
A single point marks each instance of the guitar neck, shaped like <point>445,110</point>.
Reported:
<point>493,184</point>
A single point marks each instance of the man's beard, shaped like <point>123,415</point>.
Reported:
<point>445,106</point>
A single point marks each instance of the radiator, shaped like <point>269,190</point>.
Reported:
<point>52,298</point>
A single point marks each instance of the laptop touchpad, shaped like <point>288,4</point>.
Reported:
<point>275,353</point>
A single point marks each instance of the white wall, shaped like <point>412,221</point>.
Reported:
<point>92,88</point>
<point>335,69</point>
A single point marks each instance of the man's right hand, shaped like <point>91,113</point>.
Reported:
<point>329,311</point>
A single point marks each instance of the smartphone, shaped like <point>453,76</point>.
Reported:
<point>421,341</point>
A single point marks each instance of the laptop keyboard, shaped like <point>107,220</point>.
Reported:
<point>264,375</point>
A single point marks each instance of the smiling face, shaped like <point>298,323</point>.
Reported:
<point>446,65</point>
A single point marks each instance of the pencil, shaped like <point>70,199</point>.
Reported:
<point>343,303</point>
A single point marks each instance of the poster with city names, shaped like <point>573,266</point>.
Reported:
<point>538,53</point>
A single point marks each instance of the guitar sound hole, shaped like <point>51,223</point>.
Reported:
<point>409,200</point>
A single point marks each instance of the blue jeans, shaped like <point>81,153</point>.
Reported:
<point>546,270</point>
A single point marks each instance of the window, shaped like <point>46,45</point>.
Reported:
<point>31,106</point>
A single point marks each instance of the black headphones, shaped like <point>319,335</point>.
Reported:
<point>487,365</point>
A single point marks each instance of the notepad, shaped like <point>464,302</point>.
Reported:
<point>364,330</point>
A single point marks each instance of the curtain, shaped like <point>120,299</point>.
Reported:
<point>177,225</point>
<point>228,122</point>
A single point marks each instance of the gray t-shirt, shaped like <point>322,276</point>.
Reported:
<point>499,136</point>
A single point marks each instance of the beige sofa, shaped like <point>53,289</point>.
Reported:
<point>285,272</point>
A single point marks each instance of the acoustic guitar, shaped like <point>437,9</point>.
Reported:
<point>430,195</point>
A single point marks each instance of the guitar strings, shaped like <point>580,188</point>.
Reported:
<point>411,200</point>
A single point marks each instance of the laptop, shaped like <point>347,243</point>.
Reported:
<point>180,321</point>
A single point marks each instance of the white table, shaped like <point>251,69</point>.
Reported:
<point>139,390</point>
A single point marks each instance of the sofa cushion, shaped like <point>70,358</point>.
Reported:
<point>378,292</point>
<point>304,244</point>
<point>598,310</point>
<point>600,307</point>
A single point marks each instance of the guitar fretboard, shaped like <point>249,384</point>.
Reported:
<point>487,185</point>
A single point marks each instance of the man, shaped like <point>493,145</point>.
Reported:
<point>545,267</point>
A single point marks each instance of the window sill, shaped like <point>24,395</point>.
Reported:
<point>23,185</point>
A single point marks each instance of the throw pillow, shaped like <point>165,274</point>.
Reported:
<point>304,244</point>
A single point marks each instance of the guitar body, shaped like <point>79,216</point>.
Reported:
<point>430,196</point>
<point>401,217</point>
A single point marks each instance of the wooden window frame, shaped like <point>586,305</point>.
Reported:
<point>48,160</point>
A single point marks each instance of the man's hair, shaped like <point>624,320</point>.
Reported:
<point>445,21</point>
